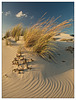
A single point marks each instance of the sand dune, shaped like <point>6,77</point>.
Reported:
<point>63,36</point>
<point>44,80</point>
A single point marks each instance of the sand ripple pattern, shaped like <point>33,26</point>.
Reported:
<point>35,86</point>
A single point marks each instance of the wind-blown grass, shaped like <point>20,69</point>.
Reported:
<point>16,31</point>
<point>40,36</point>
<point>32,36</point>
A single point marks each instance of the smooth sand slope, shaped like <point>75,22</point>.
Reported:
<point>63,36</point>
<point>44,80</point>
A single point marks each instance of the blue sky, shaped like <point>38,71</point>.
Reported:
<point>28,13</point>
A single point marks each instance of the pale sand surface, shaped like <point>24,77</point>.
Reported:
<point>44,80</point>
<point>63,36</point>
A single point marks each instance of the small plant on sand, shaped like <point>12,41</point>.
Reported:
<point>6,42</point>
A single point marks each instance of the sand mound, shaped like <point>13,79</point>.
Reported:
<point>44,80</point>
<point>64,37</point>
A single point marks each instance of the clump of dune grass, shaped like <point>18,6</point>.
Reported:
<point>16,31</point>
<point>32,36</point>
<point>40,36</point>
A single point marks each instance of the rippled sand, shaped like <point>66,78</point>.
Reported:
<point>45,80</point>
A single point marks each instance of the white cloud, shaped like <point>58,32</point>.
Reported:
<point>20,14</point>
<point>7,13</point>
<point>31,17</point>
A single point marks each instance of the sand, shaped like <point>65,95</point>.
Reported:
<point>44,80</point>
<point>63,36</point>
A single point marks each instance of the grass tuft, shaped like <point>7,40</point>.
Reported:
<point>40,35</point>
<point>16,31</point>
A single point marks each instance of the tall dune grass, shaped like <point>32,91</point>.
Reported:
<point>16,31</point>
<point>40,36</point>
<point>32,36</point>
